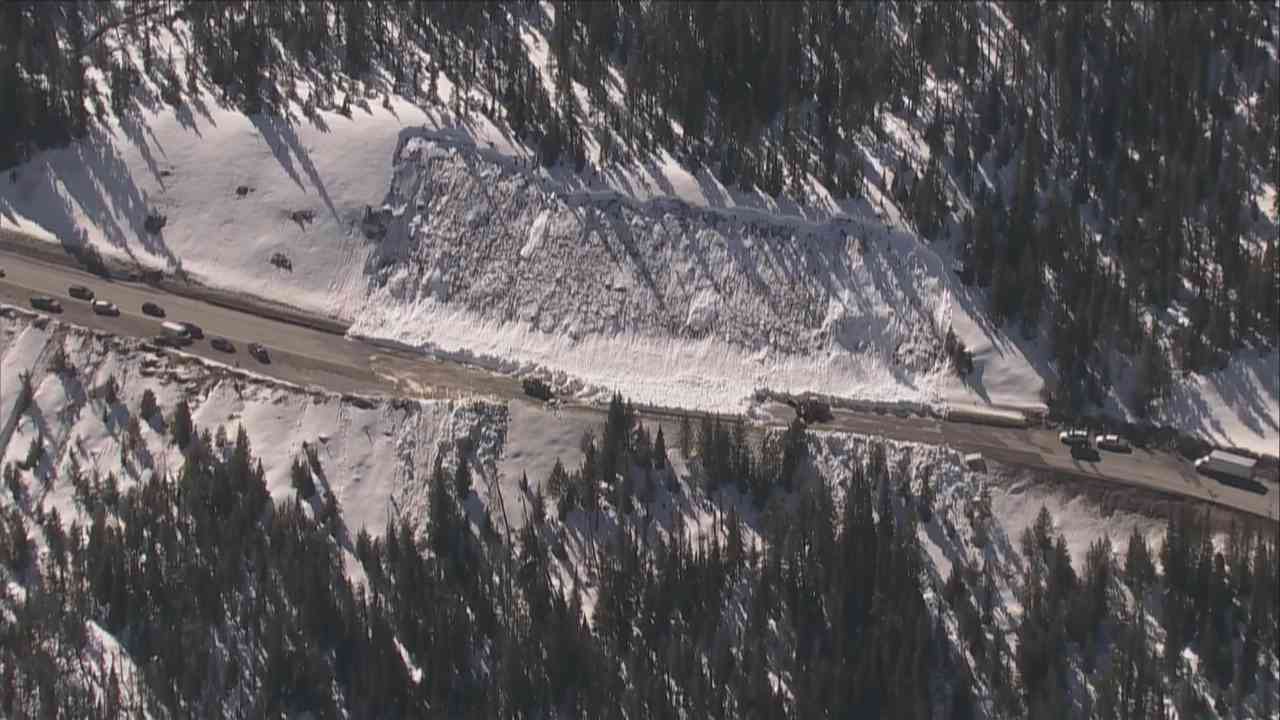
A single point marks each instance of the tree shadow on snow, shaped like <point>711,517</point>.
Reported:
<point>142,138</point>
<point>1189,410</point>
<point>88,181</point>
<point>281,136</point>
<point>1246,398</point>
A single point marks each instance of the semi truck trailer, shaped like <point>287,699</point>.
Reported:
<point>1221,462</point>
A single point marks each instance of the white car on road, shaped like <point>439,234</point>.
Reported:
<point>102,307</point>
<point>1114,443</point>
<point>1074,437</point>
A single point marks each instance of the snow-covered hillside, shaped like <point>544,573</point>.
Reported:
<point>375,460</point>
<point>648,275</point>
<point>372,460</point>
<point>694,296</point>
<point>234,190</point>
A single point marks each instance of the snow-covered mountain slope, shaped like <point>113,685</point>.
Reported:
<point>373,460</point>
<point>234,190</point>
<point>611,285</point>
<point>648,275</point>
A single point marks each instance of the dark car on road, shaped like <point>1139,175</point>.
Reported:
<point>80,292</point>
<point>1087,453</point>
<point>152,309</point>
<point>222,344</point>
<point>536,388</point>
<point>259,353</point>
<point>193,330</point>
<point>46,303</point>
<point>810,411</point>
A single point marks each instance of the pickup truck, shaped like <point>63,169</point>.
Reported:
<point>46,303</point>
<point>193,329</point>
<point>176,333</point>
<point>536,388</point>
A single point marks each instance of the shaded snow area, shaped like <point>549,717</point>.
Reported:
<point>375,460</point>
<point>1077,519</point>
<point>489,262</point>
<point>1237,406</point>
<point>536,438</point>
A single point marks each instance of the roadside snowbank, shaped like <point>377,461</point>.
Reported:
<point>492,263</point>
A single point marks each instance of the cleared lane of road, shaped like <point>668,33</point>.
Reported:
<point>1159,471</point>
<point>308,356</point>
<point>298,354</point>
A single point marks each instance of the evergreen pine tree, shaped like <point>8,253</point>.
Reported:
<point>183,430</point>
<point>659,451</point>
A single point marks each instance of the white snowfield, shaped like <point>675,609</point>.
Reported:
<point>651,278</point>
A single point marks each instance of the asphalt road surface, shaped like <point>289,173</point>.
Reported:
<point>319,357</point>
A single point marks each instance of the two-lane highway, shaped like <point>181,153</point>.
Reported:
<point>308,354</point>
<point>303,355</point>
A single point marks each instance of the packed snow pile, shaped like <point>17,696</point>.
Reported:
<point>85,412</point>
<point>488,261</point>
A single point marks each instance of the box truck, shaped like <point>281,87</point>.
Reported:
<point>1221,462</point>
